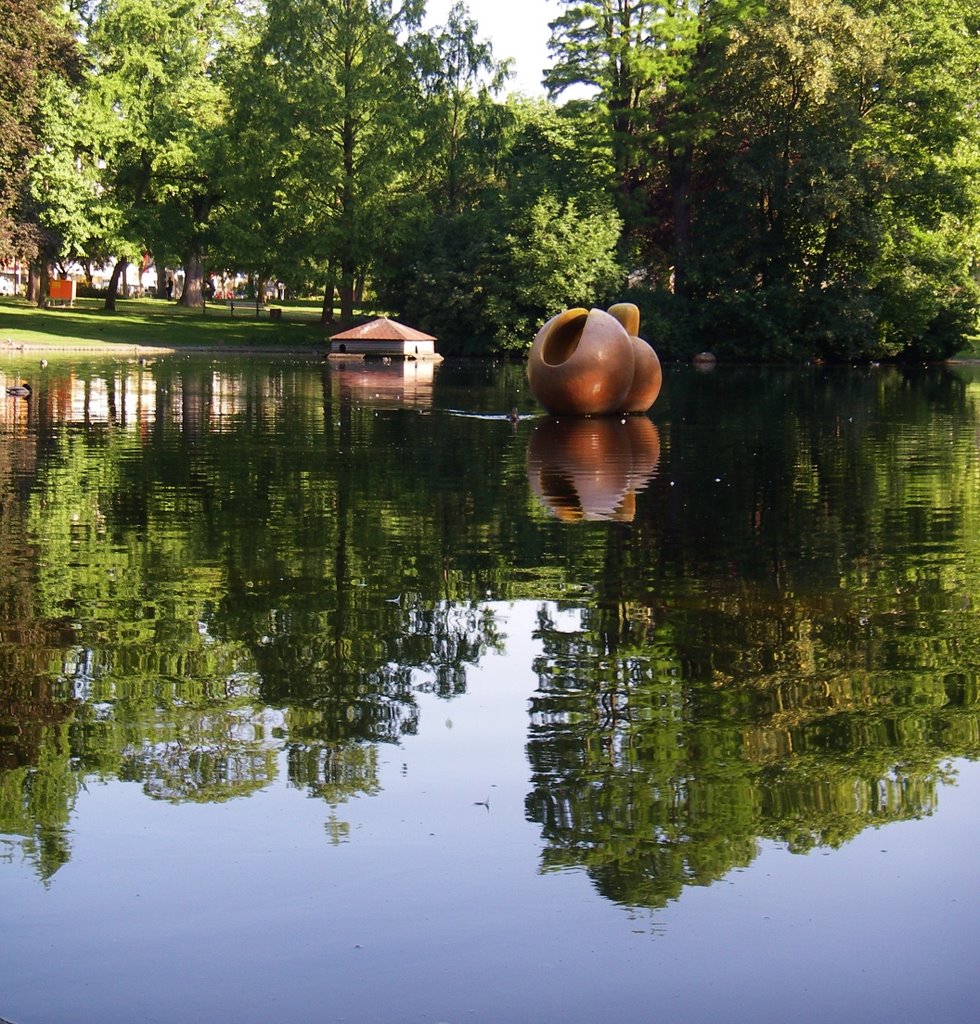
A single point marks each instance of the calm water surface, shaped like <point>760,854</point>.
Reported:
<point>335,694</point>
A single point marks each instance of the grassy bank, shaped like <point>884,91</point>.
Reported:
<point>153,324</point>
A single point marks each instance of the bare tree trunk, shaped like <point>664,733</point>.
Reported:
<point>259,291</point>
<point>193,293</point>
<point>43,277</point>
<point>110,295</point>
<point>347,289</point>
<point>34,290</point>
<point>162,275</point>
<point>680,187</point>
<point>326,312</point>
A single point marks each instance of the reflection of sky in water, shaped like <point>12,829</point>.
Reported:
<point>433,907</point>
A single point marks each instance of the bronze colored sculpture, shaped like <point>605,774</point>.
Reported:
<point>593,363</point>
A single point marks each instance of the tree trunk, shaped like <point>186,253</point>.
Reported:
<point>680,196</point>
<point>110,295</point>
<point>162,275</point>
<point>34,290</point>
<point>347,289</point>
<point>348,219</point>
<point>259,295</point>
<point>193,293</point>
<point>43,277</point>
<point>326,313</point>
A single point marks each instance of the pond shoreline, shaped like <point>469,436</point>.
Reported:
<point>110,348</point>
<point>114,348</point>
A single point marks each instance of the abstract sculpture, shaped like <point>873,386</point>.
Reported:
<point>593,363</point>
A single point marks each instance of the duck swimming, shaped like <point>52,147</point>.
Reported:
<point>19,391</point>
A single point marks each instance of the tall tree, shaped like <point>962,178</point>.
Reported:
<point>340,88</point>
<point>250,230</point>
<point>538,236</point>
<point>837,208</point>
<point>35,45</point>
<point>64,188</point>
<point>157,74</point>
<point>802,168</point>
<point>650,63</point>
<point>458,75</point>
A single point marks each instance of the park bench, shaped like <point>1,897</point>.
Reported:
<point>246,306</point>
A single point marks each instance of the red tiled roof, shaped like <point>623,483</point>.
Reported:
<point>382,329</point>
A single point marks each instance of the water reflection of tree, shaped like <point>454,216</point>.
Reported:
<point>653,777</point>
<point>38,785</point>
<point>784,648</point>
<point>752,659</point>
<point>204,755</point>
<point>213,581</point>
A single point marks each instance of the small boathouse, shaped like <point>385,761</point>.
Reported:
<point>384,337</point>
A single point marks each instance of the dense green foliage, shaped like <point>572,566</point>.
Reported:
<point>771,180</point>
<point>35,54</point>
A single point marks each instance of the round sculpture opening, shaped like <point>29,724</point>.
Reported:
<point>564,336</point>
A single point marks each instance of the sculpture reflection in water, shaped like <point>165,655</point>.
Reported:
<point>592,469</point>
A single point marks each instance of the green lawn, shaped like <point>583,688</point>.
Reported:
<point>153,323</point>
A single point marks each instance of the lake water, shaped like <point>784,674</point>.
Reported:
<point>342,694</point>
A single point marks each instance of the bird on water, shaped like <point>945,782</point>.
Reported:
<point>19,391</point>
